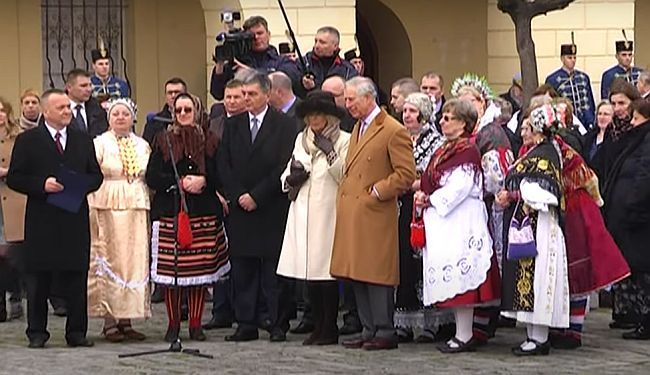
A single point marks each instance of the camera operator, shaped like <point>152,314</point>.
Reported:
<point>324,60</point>
<point>263,57</point>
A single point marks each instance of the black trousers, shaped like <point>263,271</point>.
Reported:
<point>74,291</point>
<point>324,299</point>
<point>253,278</point>
<point>222,300</point>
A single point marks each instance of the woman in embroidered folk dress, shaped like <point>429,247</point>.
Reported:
<point>457,259</point>
<point>190,146</point>
<point>118,278</point>
<point>535,275</point>
<point>312,178</point>
<point>496,156</point>
<point>409,310</point>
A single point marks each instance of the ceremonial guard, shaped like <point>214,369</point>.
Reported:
<point>105,85</point>
<point>574,85</point>
<point>624,68</point>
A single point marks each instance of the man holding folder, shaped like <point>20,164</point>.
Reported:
<point>55,166</point>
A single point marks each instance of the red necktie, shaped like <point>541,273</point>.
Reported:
<point>57,140</point>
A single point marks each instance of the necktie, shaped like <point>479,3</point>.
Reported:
<point>254,129</point>
<point>363,129</point>
<point>57,140</point>
<point>80,118</point>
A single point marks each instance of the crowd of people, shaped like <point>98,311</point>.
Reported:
<point>426,219</point>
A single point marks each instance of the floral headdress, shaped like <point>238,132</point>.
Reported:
<point>475,81</point>
<point>127,102</point>
<point>544,117</point>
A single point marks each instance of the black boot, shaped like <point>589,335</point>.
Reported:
<point>329,331</point>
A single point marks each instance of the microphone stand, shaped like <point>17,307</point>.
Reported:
<point>176,346</point>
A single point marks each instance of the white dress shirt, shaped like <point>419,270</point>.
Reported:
<point>73,107</point>
<point>63,132</point>
<point>368,120</point>
<point>260,119</point>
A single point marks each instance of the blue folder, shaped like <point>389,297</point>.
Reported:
<point>75,189</point>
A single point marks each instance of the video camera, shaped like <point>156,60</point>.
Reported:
<point>234,43</point>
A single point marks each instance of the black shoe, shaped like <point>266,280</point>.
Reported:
<point>3,314</point>
<point>60,311</point>
<point>197,334</point>
<point>277,335</point>
<point>304,326</point>
<point>641,333</point>
<point>243,335</point>
<point>404,335</point>
<point>617,324</point>
<point>172,334</point>
<point>216,323</point>
<point>37,343</point>
<point>540,349</point>
<point>564,342</point>
<point>423,339</point>
<point>83,343</point>
<point>461,347</point>
<point>158,295</point>
<point>350,328</point>
<point>506,322</point>
<point>266,325</point>
<point>16,310</point>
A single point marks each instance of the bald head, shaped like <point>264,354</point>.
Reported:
<point>336,86</point>
<point>281,90</point>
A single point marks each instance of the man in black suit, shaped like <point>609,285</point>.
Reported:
<point>56,241</point>
<point>283,99</point>
<point>254,152</point>
<point>173,87</point>
<point>88,115</point>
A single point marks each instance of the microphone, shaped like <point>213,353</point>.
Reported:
<point>164,120</point>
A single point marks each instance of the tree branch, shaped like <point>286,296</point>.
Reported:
<point>539,7</point>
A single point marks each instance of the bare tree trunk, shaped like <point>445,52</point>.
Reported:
<point>527,56</point>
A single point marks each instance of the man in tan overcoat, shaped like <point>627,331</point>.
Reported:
<point>379,167</point>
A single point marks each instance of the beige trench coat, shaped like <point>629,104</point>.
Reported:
<point>365,243</point>
<point>13,203</point>
<point>309,234</point>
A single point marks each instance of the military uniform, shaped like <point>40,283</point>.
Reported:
<point>575,86</point>
<point>631,75</point>
<point>110,88</point>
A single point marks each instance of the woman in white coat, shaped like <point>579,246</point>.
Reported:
<point>312,178</point>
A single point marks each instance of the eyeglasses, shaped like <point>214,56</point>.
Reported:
<point>184,109</point>
<point>447,118</point>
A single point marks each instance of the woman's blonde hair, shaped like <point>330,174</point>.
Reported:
<point>13,129</point>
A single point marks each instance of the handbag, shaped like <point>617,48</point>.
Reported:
<point>184,235</point>
<point>521,241</point>
<point>418,235</point>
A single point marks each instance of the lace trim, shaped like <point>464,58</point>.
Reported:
<point>103,269</point>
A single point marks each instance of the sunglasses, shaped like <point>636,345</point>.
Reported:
<point>184,109</point>
<point>448,118</point>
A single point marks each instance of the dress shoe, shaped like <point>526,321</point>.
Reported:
<point>37,343</point>
<point>197,334</point>
<point>641,333</point>
<point>538,349</point>
<point>277,335</point>
<point>564,342</point>
<point>243,335</point>
<point>380,343</point>
<point>83,343</point>
<point>60,311</point>
<point>172,334</point>
<point>304,326</point>
<point>16,310</point>
<point>266,325</point>
<point>460,347</point>
<point>216,323</point>
<point>353,343</point>
<point>350,328</point>
<point>617,324</point>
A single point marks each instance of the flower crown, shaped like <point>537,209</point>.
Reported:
<point>130,104</point>
<point>475,81</point>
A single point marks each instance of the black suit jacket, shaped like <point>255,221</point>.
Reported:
<point>299,121</point>
<point>255,169</point>
<point>55,239</point>
<point>96,119</point>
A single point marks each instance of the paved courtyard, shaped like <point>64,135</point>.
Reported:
<point>604,352</point>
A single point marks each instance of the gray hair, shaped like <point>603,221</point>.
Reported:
<point>261,79</point>
<point>422,103</point>
<point>406,86</point>
<point>464,111</point>
<point>644,76</point>
<point>332,31</point>
<point>364,86</point>
<point>281,81</point>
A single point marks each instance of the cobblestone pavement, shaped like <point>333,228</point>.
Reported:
<point>604,352</point>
